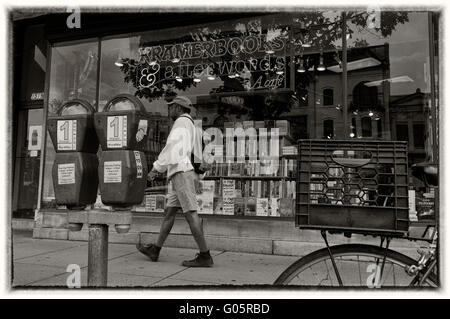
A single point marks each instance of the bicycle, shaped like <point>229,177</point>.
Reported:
<point>363,265</point>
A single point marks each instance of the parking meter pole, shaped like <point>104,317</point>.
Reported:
<point>98,255</point>
<point>98,221</point>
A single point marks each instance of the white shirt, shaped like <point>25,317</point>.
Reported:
<point>176,154</point>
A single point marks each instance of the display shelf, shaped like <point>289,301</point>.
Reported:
<point>275,178</point>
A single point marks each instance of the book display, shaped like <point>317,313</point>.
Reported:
<point>259,185</point>
<point>251,185</point>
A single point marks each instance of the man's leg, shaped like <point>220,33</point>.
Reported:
<point>195,223</point>
<point>203,259</point>
<point>167,224</point>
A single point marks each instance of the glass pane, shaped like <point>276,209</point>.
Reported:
<point>389,82</point>
<point>419,135</point>
<point>328,97</point>
<point>73,75</point>
<point>28,160</point>
<point>388,71</point>
<point>402,132</point>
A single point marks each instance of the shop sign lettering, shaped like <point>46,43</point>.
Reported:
<point>155,62</point>
<point>209,49</point>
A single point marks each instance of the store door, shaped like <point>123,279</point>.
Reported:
<point>27,162</point>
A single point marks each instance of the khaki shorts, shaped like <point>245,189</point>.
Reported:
<point>182,191</point>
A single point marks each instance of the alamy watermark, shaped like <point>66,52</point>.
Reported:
<point>74,279</point>
<point>74,19</point>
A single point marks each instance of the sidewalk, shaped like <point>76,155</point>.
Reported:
<point>43,263</point>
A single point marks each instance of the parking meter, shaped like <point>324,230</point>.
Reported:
<point>74,172</point>
<point>72,129</point>
<point>123,178</point>
<point>122,129</point>
<point>119,122</point>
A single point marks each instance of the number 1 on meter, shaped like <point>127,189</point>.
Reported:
<point>116,131</point>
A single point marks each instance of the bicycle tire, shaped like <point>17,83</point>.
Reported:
<point>300,266</point>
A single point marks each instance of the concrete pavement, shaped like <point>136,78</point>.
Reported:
<point>43,263</point>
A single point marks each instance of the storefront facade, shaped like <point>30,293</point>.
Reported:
<point>280,72</point>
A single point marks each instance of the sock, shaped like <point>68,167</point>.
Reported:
<point>205,253</point>
<point>157,247</point>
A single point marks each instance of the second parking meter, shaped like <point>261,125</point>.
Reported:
<point>75,177</point>
<point>123,118</point>
<point>123,178</point>
<point>122,129</point>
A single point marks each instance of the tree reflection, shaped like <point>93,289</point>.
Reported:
<point>309,39</point>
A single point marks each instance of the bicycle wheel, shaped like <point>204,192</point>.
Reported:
<point>358,265</point>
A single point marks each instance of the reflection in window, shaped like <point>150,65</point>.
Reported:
<point>328,97</point>
<point>353,133</point>
<point>419,135</point>
<point>303,97</point>
<point>402,132</point>
<point>366,126</point>
<point>73,75</point>
<point>328,129</point>
<point>365,97</point>
<point>379,128</point>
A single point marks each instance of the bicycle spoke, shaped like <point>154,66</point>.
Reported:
<point>357,264</point>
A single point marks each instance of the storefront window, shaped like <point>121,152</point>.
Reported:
<point>281,71</point>
<point>73,75</point>
<point>389,83</point>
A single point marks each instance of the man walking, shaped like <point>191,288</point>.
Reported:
<point>175,158</point>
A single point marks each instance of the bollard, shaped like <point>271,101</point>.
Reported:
<point>98,221</point>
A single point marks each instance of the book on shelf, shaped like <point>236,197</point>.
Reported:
<point>224,169</point>
<point>239,188</point>
<point>262,206</point>
<point>250,206</point>
<point>274,187</point>
<point>228,188</point>
<point>247,169</point>
<point>286,208</point>
<point>265,168</point>
<point>258,189</point>
<point>206,197</point>
<point>217,205</point>
<point>228,206</point>
<point>217,188</point>
<point>252,188</point>
<point>155,203</point>
<point>289,150</point>
<point>274,209</point>
<point>239,206</point>
<point>235,169</point>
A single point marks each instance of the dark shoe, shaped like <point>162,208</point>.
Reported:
<point>200,260</point>
<point>151,251</point>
